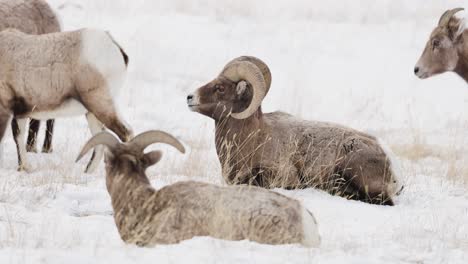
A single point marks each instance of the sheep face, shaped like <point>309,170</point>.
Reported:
<point>128,159</point>
<point>441,51</point>
<point>220,97</point>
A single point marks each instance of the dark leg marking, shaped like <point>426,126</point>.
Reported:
<point>47,146</point>
<point>15,131</point>
<point>32,135</point>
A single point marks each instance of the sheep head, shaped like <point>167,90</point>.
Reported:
<point>237,91</point>
<point>441,51</point>
<point>130,157</point>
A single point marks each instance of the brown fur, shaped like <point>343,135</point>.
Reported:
<point>278,150</point>
<point>146,217</point>
<point>32,17</point>
<point>446,50</point>
<point>29,16</point>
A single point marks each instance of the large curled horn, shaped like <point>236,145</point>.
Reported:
<point>447,15</point>
<point>260,64</point>
<point>248,71</point>
<point>102,138</point>
<point>147,138</point>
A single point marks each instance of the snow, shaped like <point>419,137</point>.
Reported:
<point>349,62</point>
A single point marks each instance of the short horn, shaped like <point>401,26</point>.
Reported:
<point>147,138</point>
<point>260,64</point>
<point>102,138</point>
<point>447,15</point>
<point>248,71</point>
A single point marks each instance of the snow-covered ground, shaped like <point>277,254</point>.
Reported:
<point>349,62</point>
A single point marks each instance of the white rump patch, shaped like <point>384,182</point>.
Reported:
<point>310,229</point>
<point>396,184</point>
<point>100,51</point>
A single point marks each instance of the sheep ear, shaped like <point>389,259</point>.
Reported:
<point>241,87</point>
<point>152,158</point>
<point>456,27</point>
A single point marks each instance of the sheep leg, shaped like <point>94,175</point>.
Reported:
<point>95,127</point>
<point>3,124</point>
<point>19,132</point>
<point>47,146</point>
<point>32,135</point>
<point>4,118</point>
<point>100,103</point>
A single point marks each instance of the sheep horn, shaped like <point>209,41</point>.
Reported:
<point>447,15</point>
<point>248,71</point>
<point>147,138</point>
<point>260,64</point>
<point>102,138</point>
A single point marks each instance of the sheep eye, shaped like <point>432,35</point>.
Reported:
<point>435,43</point>
<point>220,88</point>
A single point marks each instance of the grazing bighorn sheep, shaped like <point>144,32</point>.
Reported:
<point>61,74</point>
<point>447,48</point>
<point>147,217</point>
<point>280,150</point>
<point>32,17</point>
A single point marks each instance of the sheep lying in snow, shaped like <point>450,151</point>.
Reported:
<point>32,17</point>
<point>279,150</point>
<point>146,217</point>
<point>61,74</point>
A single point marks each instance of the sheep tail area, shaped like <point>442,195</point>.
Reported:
<point>310,229</point>
<point>124,55</point>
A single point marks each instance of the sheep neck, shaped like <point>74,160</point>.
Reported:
<point>238,130</point>
<point>129,188</point>
<point>237,141</point>
<point>462,64</point>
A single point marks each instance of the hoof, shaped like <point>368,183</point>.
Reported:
<point>47,150</point>
<point>24,167</point>
<point>32,149</point>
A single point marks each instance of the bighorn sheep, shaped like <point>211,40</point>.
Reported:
<point>61,74</point>
<point>147,217</point>
<point>279,150</point>
<point>446,49</point>
<point>32,17</point>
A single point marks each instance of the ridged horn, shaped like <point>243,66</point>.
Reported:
<point>248,71</point>
<point>447,15</point>
<point>260,64</point>
<point>147,138</point>
<point>102,138</point>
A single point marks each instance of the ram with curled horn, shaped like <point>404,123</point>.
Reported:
<point>146,217</point>
<point>279,150</point>
<point>447,49</point>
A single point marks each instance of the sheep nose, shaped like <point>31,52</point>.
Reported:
<point>189,97</point>
<point>416,70</point>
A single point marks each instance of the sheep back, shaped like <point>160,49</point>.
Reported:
<point>29,16</point>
